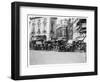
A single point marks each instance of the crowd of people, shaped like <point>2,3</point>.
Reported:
<point>58,45</point>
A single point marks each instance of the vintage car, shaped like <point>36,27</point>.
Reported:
<point>36,42</point>
<point>79,44</point>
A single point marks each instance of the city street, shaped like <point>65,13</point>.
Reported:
<point>53,57</point>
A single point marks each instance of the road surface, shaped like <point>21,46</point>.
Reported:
<point>53,57</point>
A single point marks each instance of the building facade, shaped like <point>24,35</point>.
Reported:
<point>56,27</point>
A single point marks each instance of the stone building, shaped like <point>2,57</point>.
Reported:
<point>56,27</point>
<point>39,26</point>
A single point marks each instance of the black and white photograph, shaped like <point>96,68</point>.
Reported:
<point>53,40</point>
<point>57,39</point>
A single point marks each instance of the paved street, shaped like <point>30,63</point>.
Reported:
<point>52,57</point>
